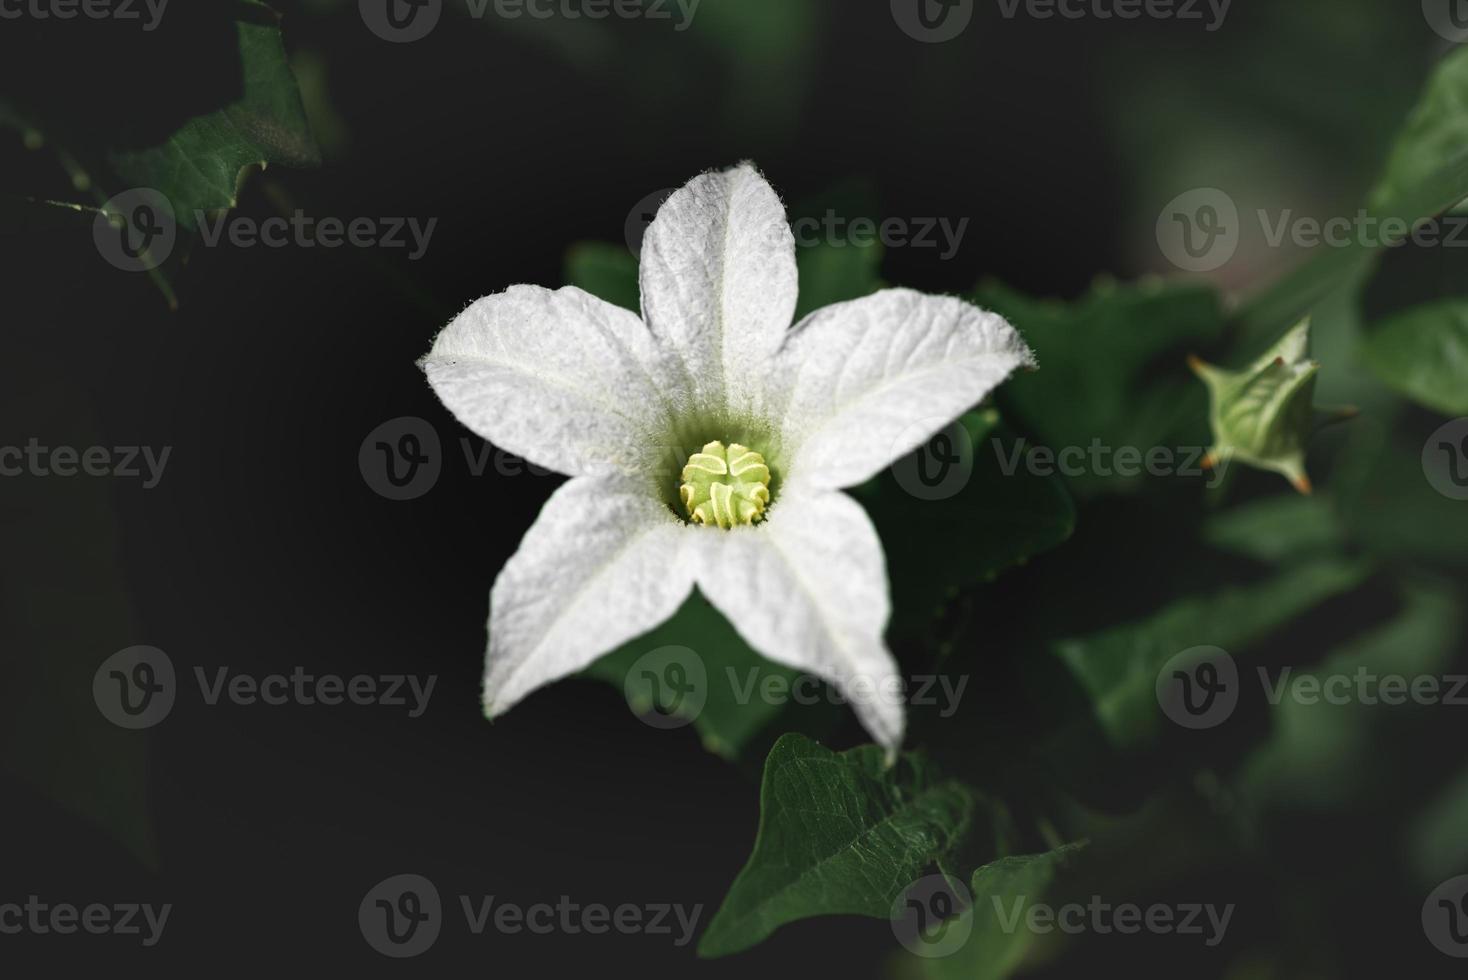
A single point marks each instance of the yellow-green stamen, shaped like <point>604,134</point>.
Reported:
<point>725,487</point>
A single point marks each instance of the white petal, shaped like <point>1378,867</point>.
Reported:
<point>560,377</point>
<point>719,283</point>
<point>866,382</point>
<point>808,588</point>
<point>604,563</point>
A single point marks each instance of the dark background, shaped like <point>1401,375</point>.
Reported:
<point>263,548</point>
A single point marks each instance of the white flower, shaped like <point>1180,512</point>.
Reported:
<point>713,376</point>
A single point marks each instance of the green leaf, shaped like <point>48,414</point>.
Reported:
<point>733,716</point>
<point>1425,175</point>
<point>199,166</point>
<point>1112,369</point>
<point>1387,503</point>
<point>605,271</point>
<point>1278,529</point>
<point>1011,884</point>
<point>1433,142</point>
<point>1118,667</point>
<point>1423,354</point>
<point>1002,515</point>
<point>1322,755</point>
<point>193,139</point>
<point>838,834</point>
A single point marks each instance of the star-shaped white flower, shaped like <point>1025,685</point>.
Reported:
<point>707,444</point>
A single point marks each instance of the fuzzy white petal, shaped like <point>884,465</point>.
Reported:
<point>808,588</point>
<point>604,563</point>
<point>719,282</point>
<point>866,382</point>
<point>566,380</point>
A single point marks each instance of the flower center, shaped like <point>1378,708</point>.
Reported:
<point>723,487</point>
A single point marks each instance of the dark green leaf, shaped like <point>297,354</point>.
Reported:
<point>1000,516</point>
<point>1426,174</point>
<point>1118,667</point>
<point>1278,529</point>
<point>1010,884</point>
<point>839,834</point>
<point>732,714</point>
<point>1112,369</point>
<point>1423,354</point>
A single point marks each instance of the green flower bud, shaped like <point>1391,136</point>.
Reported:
<point>1263,415</point>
